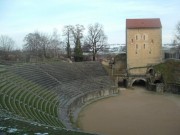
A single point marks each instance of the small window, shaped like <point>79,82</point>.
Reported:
<point>150,51</point>
<point>136,46</point>
<point>136,51</point>
<point>152,41</point>
<point>131,40</point>
<point>144,46</point>
<point>136,37</point>
<point>145,36</point>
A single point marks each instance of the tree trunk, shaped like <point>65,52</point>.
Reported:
<point>94,57</point>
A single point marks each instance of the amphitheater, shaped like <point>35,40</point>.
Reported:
<point>51,94</point>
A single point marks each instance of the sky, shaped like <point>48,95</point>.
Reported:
<point>20,17</point>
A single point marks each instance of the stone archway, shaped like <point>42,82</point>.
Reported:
<point>150,71</point>
<point>157,81</point>
<point>144,80</point>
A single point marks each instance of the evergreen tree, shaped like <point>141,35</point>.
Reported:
<point>68,49</point>
<point>67,31</point>
<point>77,32</point>
<point>78,53</point>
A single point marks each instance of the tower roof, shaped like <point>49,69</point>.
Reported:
<point>143,23</point>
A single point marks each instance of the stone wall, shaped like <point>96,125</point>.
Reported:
<point>143,47</point>
<point>69,113</point>
<point>151,86</point>
<point>160,87</point>
<point>172,88</point>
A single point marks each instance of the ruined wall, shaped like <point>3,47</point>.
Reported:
<point>168,73</point>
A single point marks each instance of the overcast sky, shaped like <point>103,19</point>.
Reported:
<point>20,17</point>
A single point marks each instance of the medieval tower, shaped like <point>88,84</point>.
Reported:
<point>144,43</point>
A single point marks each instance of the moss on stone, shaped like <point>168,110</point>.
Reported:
<point>170,71</point>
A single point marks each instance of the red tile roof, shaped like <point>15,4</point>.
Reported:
<point>143,23</point>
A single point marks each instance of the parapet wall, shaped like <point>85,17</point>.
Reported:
<point>69,113</point>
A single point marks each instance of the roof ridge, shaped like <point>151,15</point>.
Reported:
<point>143,23</point>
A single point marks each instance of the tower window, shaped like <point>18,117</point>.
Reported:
<point>136,46</point>
<point>145,36</point>
<point>136,37</point>
<point>152,41</point>
<point>150,51</point>
<point>131,40</point>
<point>144,46</point>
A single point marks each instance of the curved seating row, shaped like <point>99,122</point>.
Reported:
<point>36,104</point>
<point>37,91</point>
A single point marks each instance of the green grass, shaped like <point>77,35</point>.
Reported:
<point>169,70</point>
<point>30,128</point>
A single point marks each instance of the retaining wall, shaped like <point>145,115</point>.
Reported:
<point>69,113</point>
<point>173,88</point>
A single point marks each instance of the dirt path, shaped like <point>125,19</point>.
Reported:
<point>133,112</point>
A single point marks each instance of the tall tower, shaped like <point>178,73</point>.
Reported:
<point>144,43</point>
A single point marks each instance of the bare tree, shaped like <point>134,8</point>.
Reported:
<point>42,45</point>
<point>55,44</point>
<point>77,32</point>
<point>6,43</point>
<point>6,46</point>
<point>95,39</point>
<point>177,36</point>
<point>175,51</point>
<point>67,31</point>
<point>32,43</point>
<point>37,44</point>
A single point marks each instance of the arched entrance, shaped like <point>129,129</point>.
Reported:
<point>157,81</point>
<point>138,82</point>
<point>151,71</point>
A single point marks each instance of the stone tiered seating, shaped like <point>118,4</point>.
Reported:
<point>34,74</point>
<point>63,72</point>
<point>37,91</point>
<point>94,69</point>
<point>33,103</point>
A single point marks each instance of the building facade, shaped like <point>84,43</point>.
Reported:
<point>144,44</point>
